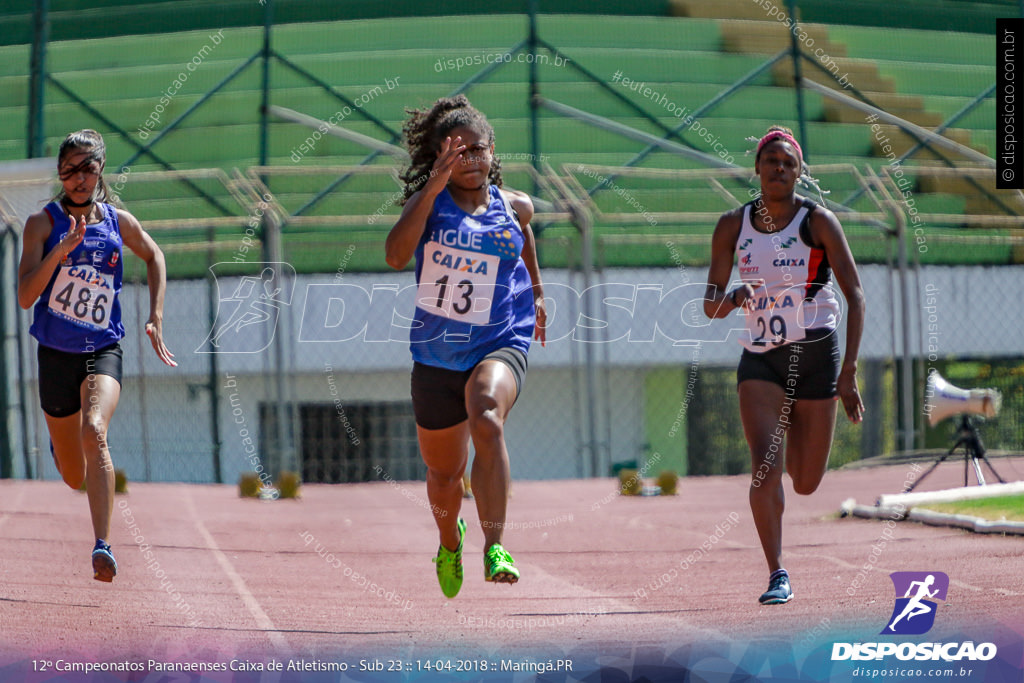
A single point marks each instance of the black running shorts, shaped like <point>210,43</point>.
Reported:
<point>439,395</point>
<point>61,375</point>
<point>806,369</point>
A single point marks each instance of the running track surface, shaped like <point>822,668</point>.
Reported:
<point>258,589</point>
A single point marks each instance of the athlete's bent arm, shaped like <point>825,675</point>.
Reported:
<point>524,208</point>
<point>826,231</point>
<point>35,270</point>
<point>139,241</point>
<point>400,246</point>
<point>718,303</point>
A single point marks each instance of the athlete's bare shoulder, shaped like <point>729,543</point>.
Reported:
<point>38,225</point>
<point>124,216</point>
<point>730,222</point>
<point>823,224</point>
<point>736,213</point>
<point>521,202</point>
<point>822,215</point>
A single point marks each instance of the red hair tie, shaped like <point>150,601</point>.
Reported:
<point>781,135</point>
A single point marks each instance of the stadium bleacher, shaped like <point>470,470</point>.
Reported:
<point>690,60</point>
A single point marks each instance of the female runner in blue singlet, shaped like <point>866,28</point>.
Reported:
<point>789,375</point>
<point>479,302</point>
<point>71,271</point>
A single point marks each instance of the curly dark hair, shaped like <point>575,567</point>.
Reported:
<point>85,140</point>
<point>426,129</point>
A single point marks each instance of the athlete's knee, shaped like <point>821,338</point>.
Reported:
<point>73,480</point>
<point>805,486</point>
<point>764,478</point>
<point>486,425</point>
<point>768,485</point>
<point>73,476</point>
<point>766,467</point>
<point>444,478</point>
<point>94,432</point>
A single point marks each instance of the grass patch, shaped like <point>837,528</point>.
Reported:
<point>993,509</point>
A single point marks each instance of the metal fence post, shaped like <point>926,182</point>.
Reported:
<point>268,23</point>
<point>214,371</point>
<point>283,451</point>
<point>8,377</point>
<point>797,81</point>
<point>905,363</point>
<point>37,78</point>
<point>534,92</point>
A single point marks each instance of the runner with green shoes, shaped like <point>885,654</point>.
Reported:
<point>472,330</point>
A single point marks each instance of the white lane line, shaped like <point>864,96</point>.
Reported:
<point>557,587</point>
<point>888,570</point>
<point>262,620</point>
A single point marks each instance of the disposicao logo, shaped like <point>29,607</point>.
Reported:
<point>917,598</point>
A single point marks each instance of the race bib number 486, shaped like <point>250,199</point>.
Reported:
<point>457,284</point>
<point>83,295</point>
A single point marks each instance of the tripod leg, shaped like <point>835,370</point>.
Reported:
<point>977,472</point>
<point>926,473</point>
<point>993,469</point>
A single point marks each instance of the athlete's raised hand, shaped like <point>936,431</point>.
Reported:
<point>73,237</point>
<point>400,246</point>
<point>449,155</point>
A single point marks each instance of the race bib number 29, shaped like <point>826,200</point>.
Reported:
<point>774,321</point>
<point>457,284</point>
<point>83,295</point>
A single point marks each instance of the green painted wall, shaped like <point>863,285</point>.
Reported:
<point>664,390</point>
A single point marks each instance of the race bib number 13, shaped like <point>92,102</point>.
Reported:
<point>457,284</point>
<point>83,295</point>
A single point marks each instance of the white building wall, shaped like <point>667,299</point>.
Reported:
<point>966,316</point>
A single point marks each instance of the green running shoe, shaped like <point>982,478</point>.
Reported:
<point>498,566</point>
<point>449,565</point>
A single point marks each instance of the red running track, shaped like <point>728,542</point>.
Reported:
<point>243,578</point>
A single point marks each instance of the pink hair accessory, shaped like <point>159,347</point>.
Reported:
<point>781,135</point>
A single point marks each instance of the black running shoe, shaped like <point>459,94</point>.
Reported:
<point>778,591</point>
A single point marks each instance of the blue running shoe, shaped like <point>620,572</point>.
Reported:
<point>779,590</point>
<point>104,566</point>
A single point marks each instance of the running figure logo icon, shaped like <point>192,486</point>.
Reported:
<point>247,318</point>
<point>914,612</point>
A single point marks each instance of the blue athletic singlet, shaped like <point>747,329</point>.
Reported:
<point>474,294</point>
<point>79,310</point>
<point>791,279</point>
